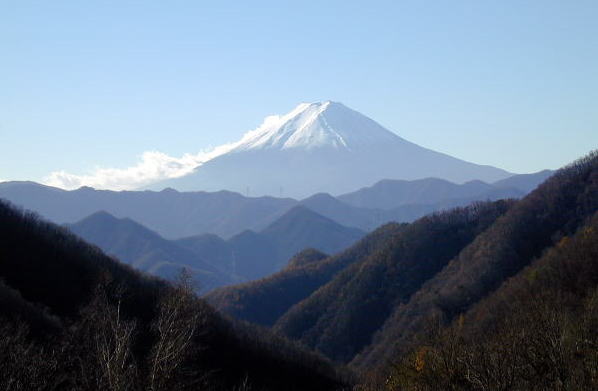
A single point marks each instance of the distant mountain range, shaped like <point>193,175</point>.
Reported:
<point>145,250</point>
<point>322,147</point>
<point>371,304</point>
<point>501,293</point>
<point>72,318</point>
<point>174,214</point>
<point>213,260</point>
<point>225,238</point>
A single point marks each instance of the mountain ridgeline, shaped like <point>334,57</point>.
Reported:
<point>175,215</point>
<point>435,274</point>
<point>371,289</point>
<point>539,329</point>
<point>147,251</point>
<point>213,261</point>
<point>494,295</point>
<point>323,147</point>
<point>72,318</point>
<point>470,269</point>
<point>264,301</point>
<point>326,303</point>
<point>138,227</point>
<point>557,208</point>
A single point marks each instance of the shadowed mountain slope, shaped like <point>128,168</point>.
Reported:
<point>145,250</point>
<point>92,300</point>
<point>558,207</point>
<point>216,262</point>
<point>264,301</point>
<point>372,309</point>
<point>250,255</point>
<point>341,317</point>
<point>538,331</point>
<point>300,228</point>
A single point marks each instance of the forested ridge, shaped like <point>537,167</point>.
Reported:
<point>497,295</point>
<point>72,318</point>
<point>538,331</point>
<point>530,321</point>
<point>440,283</point>
<point>557,208</point>
<point>264,301</point>
<point>340,318</point>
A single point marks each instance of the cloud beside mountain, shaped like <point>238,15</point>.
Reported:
<point>316,147</point>
<point>153,166</point>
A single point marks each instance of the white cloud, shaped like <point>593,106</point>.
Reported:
<point>152,167</point>
<point>155,166</point>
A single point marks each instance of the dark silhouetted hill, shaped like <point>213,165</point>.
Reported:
<point>371,309</point>
<point>341,317</point>
<point>90,322</point>
<point>537,331</point>
<point>265,300</point>
<point>558,207</point>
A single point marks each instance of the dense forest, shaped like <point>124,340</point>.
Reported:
<point>264,301</point>
<point>557,208</point>
<point>497,295</point>
<point>72,318</point>
<point>340,319</point>
<point>447,281</point>
<point>323,302</point>
<point>538,331</point>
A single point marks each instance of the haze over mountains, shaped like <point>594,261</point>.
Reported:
<point>480,277</point>
<point>224,237</point>
<point>161,231</point>
<point>174,214</point>
<point>72,318</point>
<point>486,253</point>
<point>212,260</point>
<point>322,147</point>
<point>372,304</point>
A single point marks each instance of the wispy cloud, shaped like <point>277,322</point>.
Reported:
<point>155,166</point>
<point>152,167</point>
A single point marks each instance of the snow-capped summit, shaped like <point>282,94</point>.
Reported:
<point>322,147</point>
<point>315,125</point>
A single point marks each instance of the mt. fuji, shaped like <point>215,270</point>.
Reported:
<point>322,147</point>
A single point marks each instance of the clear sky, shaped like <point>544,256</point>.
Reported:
<point>88,84</point>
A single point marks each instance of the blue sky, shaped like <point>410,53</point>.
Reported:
<point>88,84</point>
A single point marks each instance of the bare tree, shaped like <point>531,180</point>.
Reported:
<point>179,317</point>
<point>109,339</point>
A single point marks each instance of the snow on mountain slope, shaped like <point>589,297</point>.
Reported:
<point>315,125</point>
<point>322,147</point>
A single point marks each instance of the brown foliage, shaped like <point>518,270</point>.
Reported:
<point>539,331</point>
